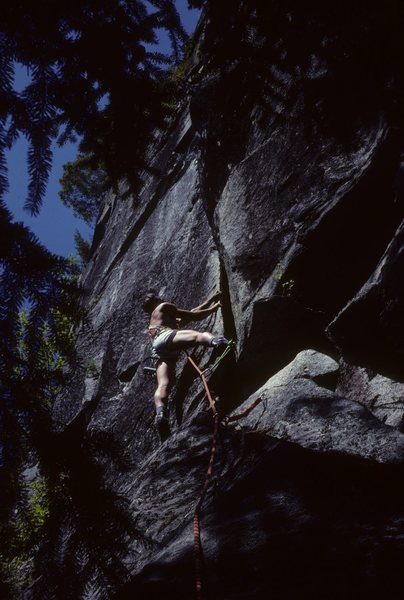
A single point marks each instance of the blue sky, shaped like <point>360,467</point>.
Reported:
<point>56,224</point>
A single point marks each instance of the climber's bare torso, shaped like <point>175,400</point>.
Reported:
<point>168,340</point>
<point>164,315</point>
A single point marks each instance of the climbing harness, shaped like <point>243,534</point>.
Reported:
<point>150,369</point>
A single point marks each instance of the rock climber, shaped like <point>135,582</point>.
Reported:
<point>168,341</point>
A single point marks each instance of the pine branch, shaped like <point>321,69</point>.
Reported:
<point>3,161</point>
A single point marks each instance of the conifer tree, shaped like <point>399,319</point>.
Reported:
<point>93,76</point>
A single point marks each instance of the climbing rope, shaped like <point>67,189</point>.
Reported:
<point>229,348</point>
<point>196,520</point>
<point>245,412</point>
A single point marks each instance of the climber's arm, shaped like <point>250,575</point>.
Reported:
<point>196,314</point>
<point>204,305</point>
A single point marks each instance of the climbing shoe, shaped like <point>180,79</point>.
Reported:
<point>218,341</point>
<point>161,416</point>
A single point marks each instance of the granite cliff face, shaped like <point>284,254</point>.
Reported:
<point>290,201</point>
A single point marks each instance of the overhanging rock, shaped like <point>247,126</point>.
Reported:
<point>295,409</point>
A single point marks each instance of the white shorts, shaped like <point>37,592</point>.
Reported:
<point>162,345</point>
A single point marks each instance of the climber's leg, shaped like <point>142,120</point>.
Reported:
<point>165,377</point>
<point>185,338</point>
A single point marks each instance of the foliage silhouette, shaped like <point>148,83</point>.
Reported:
<point>91,75</point>
<point>38,310</point>
<point>93,520</point>
<point>82,188</point>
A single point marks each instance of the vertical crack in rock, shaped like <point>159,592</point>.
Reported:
<point>227,311</point>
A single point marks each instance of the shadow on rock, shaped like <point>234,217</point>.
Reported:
<point>89,527</point>
<point>289,523</point>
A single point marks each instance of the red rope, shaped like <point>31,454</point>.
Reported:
<point>197,525</point>
<point>205,385</point>
<point>196,521</point>
<point>246,411</point>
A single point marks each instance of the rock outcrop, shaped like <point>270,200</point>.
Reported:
<point>289,201</point>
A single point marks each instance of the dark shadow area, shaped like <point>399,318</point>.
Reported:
<point>370,331</point>
<point>184,382</point>
<point>327,380</point>
<point>333,527</point>
<point>289,523</point>
<point>280,328</point>
<point>89,526</point>
<point>164,431</point>
<point>343,250</point>
<point>227,311</point>
<point>129,373</point>
<point>224,383</point>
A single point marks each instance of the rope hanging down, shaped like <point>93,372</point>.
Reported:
<point>196,520</point>
<point>197,527</point>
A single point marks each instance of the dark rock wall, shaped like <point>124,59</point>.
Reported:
<point>279,181</point>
